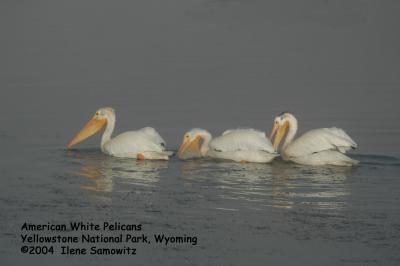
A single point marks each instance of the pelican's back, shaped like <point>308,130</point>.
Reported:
<point>318,140</point>
<point>242,140</point>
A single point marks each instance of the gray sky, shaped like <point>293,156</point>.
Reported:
<point>212,64</point>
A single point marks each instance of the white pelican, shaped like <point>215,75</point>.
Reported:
<point>323,146</point>
<point>141,144</point>
<point>240,145</point>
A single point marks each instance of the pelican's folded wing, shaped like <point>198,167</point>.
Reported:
<point>321,139</point>
<point>153,136</point>
<point>242,140</point>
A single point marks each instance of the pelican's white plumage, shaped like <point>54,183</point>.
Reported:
<point>321,139</point>
<point>323,146</point>
<point>242,139</point>
<point>144,143</point>
<point>240,145</point>
<point>129,144</point>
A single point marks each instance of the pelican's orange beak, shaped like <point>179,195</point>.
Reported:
<point>190,149</point>
<point>91,128</point>
<point>277,133</point>
<point>273,132</point>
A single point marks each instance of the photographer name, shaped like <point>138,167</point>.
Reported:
<point>81,226</point>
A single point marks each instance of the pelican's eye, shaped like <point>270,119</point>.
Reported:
<point>97,113</point>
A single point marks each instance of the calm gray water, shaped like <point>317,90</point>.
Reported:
<point>216,64</point>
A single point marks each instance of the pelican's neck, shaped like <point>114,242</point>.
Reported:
<point>109,130</point>
<point>205,147</point>
<point>291,131</point>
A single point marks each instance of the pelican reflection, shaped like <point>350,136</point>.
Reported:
<point>319,187</point>
<point>277,185</point>
<point>108,174</point>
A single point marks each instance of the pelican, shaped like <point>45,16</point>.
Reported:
<point>141,144</point>
<point>322,146</point>
<point>239,145</point>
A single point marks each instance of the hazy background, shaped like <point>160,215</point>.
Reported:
<point>224,64</point>
<point>212,64</point>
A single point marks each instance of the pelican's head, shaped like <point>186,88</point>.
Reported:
<point>281,124</point>
<point>192,144</point>
<point>98,121</point>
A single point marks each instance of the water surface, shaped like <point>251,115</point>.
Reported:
<point>278,213</point>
